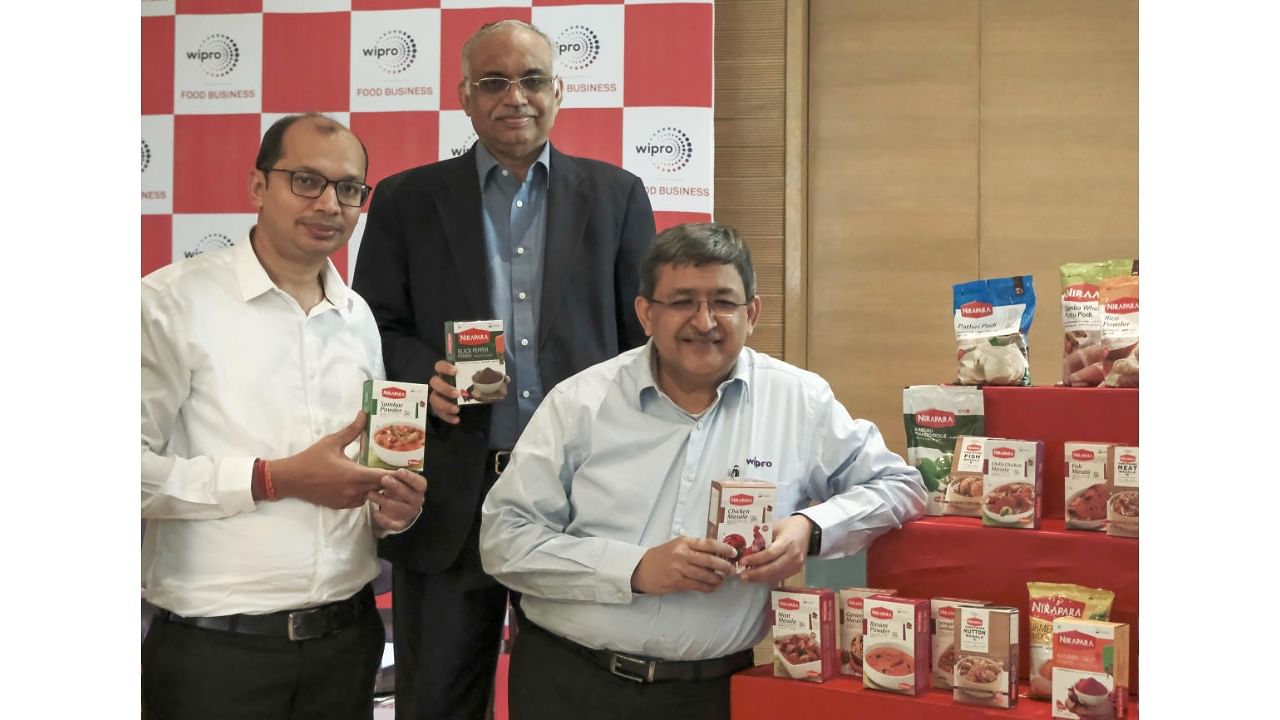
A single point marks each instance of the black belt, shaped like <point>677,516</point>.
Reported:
<point>498,460</point>
<point>305,624</point>
<point>642,669</point>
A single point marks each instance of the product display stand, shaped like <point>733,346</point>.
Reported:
<point>959,557</point>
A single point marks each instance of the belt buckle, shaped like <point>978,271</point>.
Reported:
<point>295,625</point>
<point>500,458</point>
<point>646,667</point>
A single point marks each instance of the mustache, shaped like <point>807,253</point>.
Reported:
<point>714,335</point>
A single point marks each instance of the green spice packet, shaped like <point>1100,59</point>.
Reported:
<point>934,416</point>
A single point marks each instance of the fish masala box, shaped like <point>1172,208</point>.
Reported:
<point>396,434</point>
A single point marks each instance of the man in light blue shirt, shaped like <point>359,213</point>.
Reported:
<point>600,516</point>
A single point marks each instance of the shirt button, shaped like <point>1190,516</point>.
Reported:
<point>522,296</point>
<point>519,251</point>
<point>519,203</point>
<point>524,342</point>
<point>505,173</point>
<point>524,394</point>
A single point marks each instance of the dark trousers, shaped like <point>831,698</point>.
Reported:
<point>448,631</point>
<point>551,682</point>
<point>198,674</point>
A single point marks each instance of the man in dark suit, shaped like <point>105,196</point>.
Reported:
<point>512,230</point>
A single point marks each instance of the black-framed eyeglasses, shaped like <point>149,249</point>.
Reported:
<point>687,306</point>
<point>498,85</point>
<point>307,184</point>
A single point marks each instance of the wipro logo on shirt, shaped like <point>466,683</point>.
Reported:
<point>756,462</point>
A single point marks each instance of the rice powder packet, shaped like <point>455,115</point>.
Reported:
<point>992,318</point>
<point>935,415</point>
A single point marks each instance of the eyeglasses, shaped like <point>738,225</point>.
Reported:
<point>307,184</point>
<point>498,85</point>
<point>687,306</point>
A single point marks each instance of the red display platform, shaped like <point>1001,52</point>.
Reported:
<point>757,695</point>
<point>1057,415</point>
<point>958,557</point>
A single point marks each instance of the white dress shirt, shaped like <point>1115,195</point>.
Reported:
<point>609,466</point>
<point>232,370</point>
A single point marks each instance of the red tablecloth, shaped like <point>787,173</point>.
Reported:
<point>958,557</point>
<point>757,695</point>
<point>1057,415</point>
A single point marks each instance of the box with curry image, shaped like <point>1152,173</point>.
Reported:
<point>396,433</point>
<point>478,349</point>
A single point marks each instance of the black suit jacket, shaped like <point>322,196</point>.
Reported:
<point>421,263</point>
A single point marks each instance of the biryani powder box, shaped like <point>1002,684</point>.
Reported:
<point>1011,483</point>
<point>942,616</point>
<point>478,349</point>
<point>896,644</point>
<point>1087,488</point>
<point>851,601</point>
<point>1122,506</point>
<point>1090,668</point>
<point>395,435</point>
<point>804,634</point>
<point>741,514</point>
<point>986,670</point>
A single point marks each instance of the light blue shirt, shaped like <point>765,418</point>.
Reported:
<point>515,226</point>
<point>610,466</point>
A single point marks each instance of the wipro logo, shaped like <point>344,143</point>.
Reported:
<point>670,149</point>
<point>394,51</point>
<point>465,146</point>
<point>212,241</point>
<point>578,47</point>
<point>218,55</point>
<point>146,156</point>
<point>755,462</point>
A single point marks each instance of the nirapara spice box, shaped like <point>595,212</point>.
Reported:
<point>896,644</point>
<point>804,634</point>
<point>741,514</point>
<point>1090,668</point>
<point>986,671</point>
<point>942,614</point>
<point>1047,602</point>
<point>964,490</point>
<point>851,601</point>
<point>1085,477</point>
<point>396,433</point>
<point>478,349</point>
<point>1122,506</point>
<point>1012,482</point>
<point>934,416</point>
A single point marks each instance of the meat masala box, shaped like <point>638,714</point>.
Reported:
<point>804,634</point>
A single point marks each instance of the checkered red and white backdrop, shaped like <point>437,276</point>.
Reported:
<point>217,73</point>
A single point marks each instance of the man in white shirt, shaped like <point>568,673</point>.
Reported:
<point>261,532</point>
<point>599,519</point>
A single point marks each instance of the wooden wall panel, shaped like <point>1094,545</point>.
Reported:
<point>1059,162</point>
<point>750,86</point>
<point>893,202</point>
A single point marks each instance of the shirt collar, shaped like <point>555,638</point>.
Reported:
<point>486,162</point>
<point>254,281</point>
<point>646,383</point>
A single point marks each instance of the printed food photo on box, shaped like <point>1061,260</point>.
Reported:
<point>478,349</point>
<point>935,415</point>
<point>851,601</point>
<point>396,433</point>
<point>986,669</point>
<point>741,514</point>
<point>804,634</point>
<point>1090,669</point>
<point>896,645</point>
<point>964,491</point>
<point>1012,483</point>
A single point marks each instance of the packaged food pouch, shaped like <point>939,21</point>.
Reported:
<point>1054,600</point>
<point>991,319</point>
<point>1119,300</point>
<point>1083,355</point>
<point>935,415</point>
